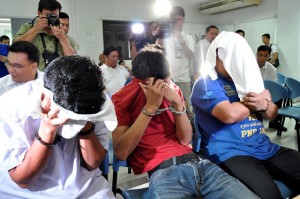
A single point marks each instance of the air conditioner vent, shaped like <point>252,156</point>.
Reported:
<point>218,6</point>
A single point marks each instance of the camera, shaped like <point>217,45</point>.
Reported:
<point>166,28</point>
<point>53,19</point>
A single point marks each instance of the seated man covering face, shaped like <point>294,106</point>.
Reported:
<point>229,102</point>
<point>53,136</point>
<point>154,133</point>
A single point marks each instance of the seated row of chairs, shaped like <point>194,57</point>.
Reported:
<point>286,89</point>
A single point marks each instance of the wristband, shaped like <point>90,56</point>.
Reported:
<point>84,133</point>
<point>39,139</point>
<point>268,103</point>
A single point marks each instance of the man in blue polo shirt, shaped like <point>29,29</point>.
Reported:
<point>233,135</point>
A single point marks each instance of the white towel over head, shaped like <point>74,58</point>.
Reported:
<point>238,60</point>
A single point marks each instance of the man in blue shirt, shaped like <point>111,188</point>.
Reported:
<point>233,135</point>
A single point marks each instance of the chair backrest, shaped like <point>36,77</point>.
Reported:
<point>294,86</point>
<point>277,91</point>
<point>196,137</point>
<point>281,79</point>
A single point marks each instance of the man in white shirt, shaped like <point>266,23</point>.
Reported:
<point>267,70</point>
<point>114,75</point>
<point>22,63</point>
<point>37,159</point>
<point>179,52</point>
<point>201,48</point>
<point>274,50</point>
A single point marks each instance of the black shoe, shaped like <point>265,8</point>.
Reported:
<point>277,126</point>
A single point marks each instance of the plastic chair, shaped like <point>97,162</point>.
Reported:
<point>284,190</point>
<point>279,92</point>
<point>293,86</point>
<point>139,193</point>
<point>281,79</point>
<point>104,167</point>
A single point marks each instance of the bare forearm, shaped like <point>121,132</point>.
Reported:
<point>125,143</point>
<point>187,52</point>
<point>28,36</point>
<point>230,113</point>
<point>66,47</point>
<point>91,150</point>
<point>32,165</point>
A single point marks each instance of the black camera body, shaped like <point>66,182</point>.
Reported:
<point>166,27</point>
<point>53,19</point>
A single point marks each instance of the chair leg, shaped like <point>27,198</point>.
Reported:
<point>298,136</point>
<point>279,131</point>
<point>114,183</point>
<point>129,170</point>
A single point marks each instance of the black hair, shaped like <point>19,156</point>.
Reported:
<point>120,61</point>
<point>177,11</point>
<point>211,27</point>
<point>240,31</point>
<point>108,49</point>
<point>63,15</point>
<point>150,62</point>
<point>76,83</point>
<point>4,37</point>
<point>49,5</point>
<point>33,53</point>
<point>264,48</point>
<point>266,35</point>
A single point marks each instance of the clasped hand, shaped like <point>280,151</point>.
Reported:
<point>155,90</point>
<point>257,101</point>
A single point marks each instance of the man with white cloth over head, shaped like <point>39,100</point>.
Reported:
<point>230,101</point>
<point>53,135</point>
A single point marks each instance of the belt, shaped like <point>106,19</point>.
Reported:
<point>190,157</point>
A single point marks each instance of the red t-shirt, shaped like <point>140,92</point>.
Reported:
<point>159,141</point>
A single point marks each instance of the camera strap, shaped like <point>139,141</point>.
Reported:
<point>44,43</point>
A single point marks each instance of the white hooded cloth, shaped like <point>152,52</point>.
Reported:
<point>76,121</point>
<point>238,60</point>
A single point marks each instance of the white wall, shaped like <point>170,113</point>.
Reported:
<point>86,22</point>
<point>288,37</point>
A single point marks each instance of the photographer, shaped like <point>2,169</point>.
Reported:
<point>44,32</point>
<point>179,47</point>
<point>138,41</point>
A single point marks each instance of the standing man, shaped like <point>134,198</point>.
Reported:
<point>201,48</point>
<point>180,49</point>
<point>274,50</point>
<point>45,33</point>
<point>240,32</point>
<point>65,25</point>
<point>22,63</point>
<point>114,75</point>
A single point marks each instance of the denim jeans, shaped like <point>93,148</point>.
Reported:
<point>199,179</point>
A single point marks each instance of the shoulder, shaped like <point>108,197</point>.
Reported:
<point>270,66</point>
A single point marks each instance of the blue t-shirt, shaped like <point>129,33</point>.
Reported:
<point>222,141</point>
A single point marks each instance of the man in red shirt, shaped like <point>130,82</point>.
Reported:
<point>154,134</point>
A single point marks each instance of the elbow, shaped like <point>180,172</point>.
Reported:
<point>121,155</point>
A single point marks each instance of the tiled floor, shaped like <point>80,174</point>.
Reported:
<point>287,139</point>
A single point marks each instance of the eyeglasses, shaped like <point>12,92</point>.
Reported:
<point>7,64</point>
